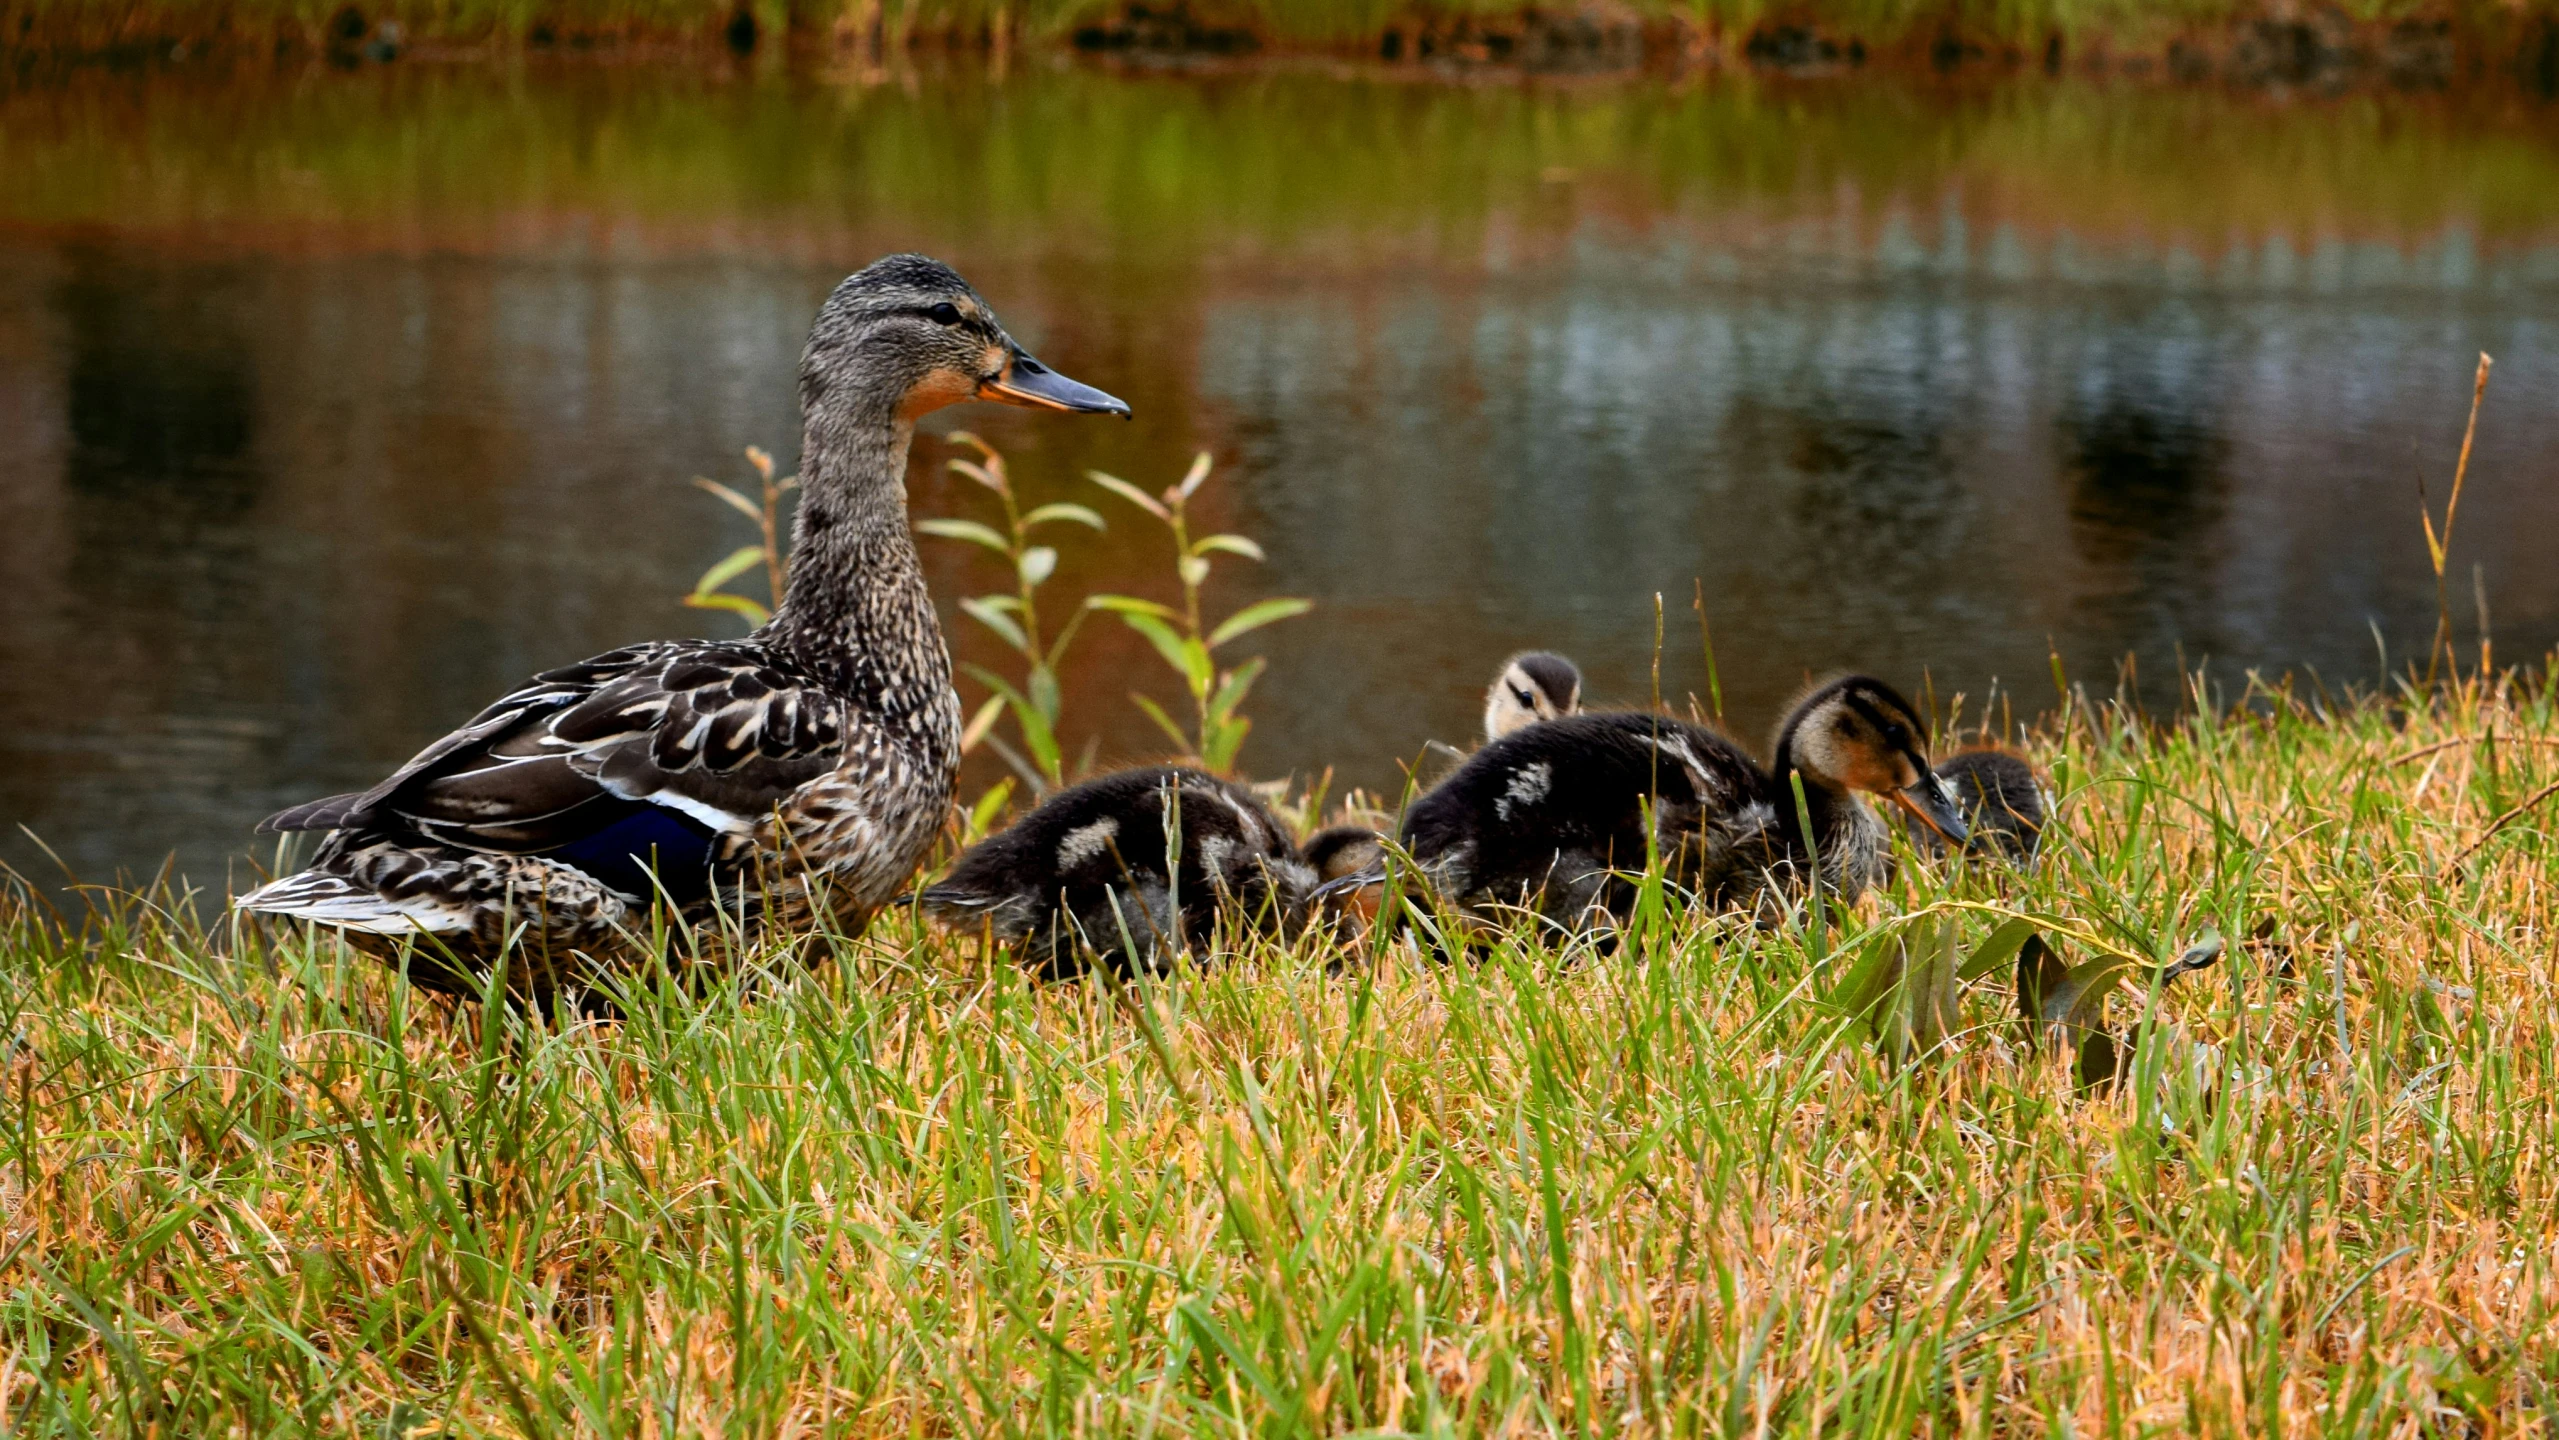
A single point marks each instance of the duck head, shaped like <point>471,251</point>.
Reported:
<point>1537,685</point>
<point>907,334</point>
<point>1858,733</point>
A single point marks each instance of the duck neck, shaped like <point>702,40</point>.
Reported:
<point>1825,805</point>
<point>855,611</point>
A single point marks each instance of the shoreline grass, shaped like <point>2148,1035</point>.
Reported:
<point>252,1187</point>
<point>2427,43</point>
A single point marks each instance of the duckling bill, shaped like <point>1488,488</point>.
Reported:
<point>1130,869</point>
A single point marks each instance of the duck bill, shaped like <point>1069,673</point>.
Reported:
<point>1027,382</point>
<point>1934,804</point>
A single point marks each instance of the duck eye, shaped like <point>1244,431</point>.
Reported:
<point>944,313</point>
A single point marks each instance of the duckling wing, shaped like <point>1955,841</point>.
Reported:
<point>671,747</point>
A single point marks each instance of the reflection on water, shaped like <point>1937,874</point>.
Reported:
<point>331,405</point>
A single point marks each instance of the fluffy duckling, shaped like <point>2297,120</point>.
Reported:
<point>1534,685</point>
<point>1552,817</point>
<point>1096,868</point>
<point>2003,802</point>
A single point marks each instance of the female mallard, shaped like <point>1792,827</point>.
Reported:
<point>807,765</point>
<point>1131,867</point>
<point>1554,816</point>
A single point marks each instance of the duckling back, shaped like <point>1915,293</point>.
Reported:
<point>1550,816</point>
<point>1130,867</point>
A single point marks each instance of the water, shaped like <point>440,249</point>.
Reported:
<point>331,404</point>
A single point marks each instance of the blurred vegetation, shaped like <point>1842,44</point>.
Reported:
<point>2023,27</point>
<point>1133,178</point>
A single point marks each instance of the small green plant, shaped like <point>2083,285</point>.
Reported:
<point>711,592</point>
<point>1015,620</point>
<point>1181,635</point>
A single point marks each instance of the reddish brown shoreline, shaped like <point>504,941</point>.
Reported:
<point>2280,46</point>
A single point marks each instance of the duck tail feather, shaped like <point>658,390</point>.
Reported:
<point>337,812</point>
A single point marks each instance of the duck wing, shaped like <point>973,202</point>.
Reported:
<point>674,746</point>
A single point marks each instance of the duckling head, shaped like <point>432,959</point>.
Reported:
<point>1534,685</point>
<point>1858,733</point>
<point>908,334</point>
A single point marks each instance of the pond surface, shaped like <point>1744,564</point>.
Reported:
<point>331,404</point>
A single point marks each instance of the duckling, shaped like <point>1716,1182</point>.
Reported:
<point>807,765</point>
<point>2002,799</point>
<point>1534,685</point>
<point>1094,869</point>
<point>1552,816</point>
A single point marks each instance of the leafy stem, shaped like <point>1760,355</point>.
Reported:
<point>1183,636</point>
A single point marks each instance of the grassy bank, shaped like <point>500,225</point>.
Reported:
<point>2426,42</point>
<point>253,1188</point>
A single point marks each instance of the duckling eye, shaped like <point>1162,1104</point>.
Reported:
<point>1525,698</point>
<point>944,313</point>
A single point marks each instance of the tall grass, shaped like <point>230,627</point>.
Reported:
<point>888,1185</point>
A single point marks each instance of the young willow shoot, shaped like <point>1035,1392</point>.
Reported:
<point>711,592</point>
<point>1015,620</point>
<point>1182,635</point>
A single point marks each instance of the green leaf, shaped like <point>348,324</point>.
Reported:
<point>737,562</point>
<point>1037,564</point>
<point>1998,950</point>
<point>740,503</point>
<point>1231,690</point>
<point>1197,476</point>
<point>1038,735</point>
<point>1255,616</point>
<point>1232,545</point>
<point>1224,739</point>
<point>1129,605</point>
<point>755,614</point>
<point>1167,642</point>
<point>1194,570</point>
<point>990,475</point>
<point>994,618</point>
<point>989,805</point>
<point>1034,727</point>
<point>1130,493</point>
<point>1044,694</point>
<point>968,530</point>
<point>1866,982</point>
<point>1163,721</point>
<point>1062,510</point>
<point>980,723</point>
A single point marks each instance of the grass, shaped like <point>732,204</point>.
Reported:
<point>888,1186</point>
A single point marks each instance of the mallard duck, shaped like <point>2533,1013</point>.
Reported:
<point>809,763</point>
<point>1145,858</point>
<point>2002,799</point>
<point>1552,816</point>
